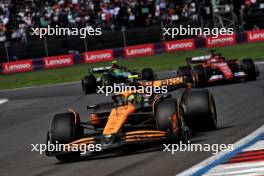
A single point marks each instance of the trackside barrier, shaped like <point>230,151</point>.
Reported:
<point>58,61</point>
<point>18,66</point>
<point>98,56</point>
<point>129,52</point>
<point>179,45</point>
<point>139,50</point>
<point>255,36</point>
<point>221,40</point>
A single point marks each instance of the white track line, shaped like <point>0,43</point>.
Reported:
<point>2,101</point>
<point>210,160</point>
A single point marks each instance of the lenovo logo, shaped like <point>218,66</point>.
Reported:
<point>254,36</point>
<point>179,45</point>
<point>221,41</point>
<point>19,66</point>
<point>98,56</point>
<point>139,50</point>
<point>58,61</point>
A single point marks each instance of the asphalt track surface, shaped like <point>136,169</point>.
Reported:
<point>25,118</point>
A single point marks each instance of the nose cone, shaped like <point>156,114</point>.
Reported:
<point>117,118</point>
<point>108,140</point>
<point>226,71</point>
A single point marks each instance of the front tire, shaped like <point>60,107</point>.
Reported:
<point>249,68</point>
<point>164,110</point>
<point>65,129</point>
<point>89,84</point>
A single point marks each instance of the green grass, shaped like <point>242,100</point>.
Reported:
<point>160,62</point>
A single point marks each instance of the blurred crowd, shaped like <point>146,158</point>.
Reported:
<point>4,18</point>
<point>110,15</point>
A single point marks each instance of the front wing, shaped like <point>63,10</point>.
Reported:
<point>237,75</point>
<point>113,142</point>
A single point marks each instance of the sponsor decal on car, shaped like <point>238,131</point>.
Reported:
<point>221,40</point>
<point>98,56</point>
<point>239,74</point>
<point>139,50</point>
<point>18,66</point>
<point>216,77</point>
<point>255,36</point>
<point>178,45</point>
<point>58,61</point>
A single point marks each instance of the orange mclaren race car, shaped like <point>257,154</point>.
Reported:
<point>133,118</point>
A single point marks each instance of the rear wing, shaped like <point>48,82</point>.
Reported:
<point>198,59</point>
<point>100,69</point>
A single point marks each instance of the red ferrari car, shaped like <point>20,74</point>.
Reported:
<point>215,67</point>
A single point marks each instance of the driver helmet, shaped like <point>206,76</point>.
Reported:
<point>115,64</point>
<point>134,98</point>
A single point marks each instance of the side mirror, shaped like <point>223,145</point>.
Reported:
<point>92,106</point>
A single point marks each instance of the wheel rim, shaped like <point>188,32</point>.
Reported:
<point>181,117</point>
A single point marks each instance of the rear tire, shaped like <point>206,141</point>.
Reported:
<point>64,130</point>
<point>148,74</point>
<point>200,75</point>
<point>250,69</point>
<point>89,84</point>
<point>200,110</point>
<point>185,71</point>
